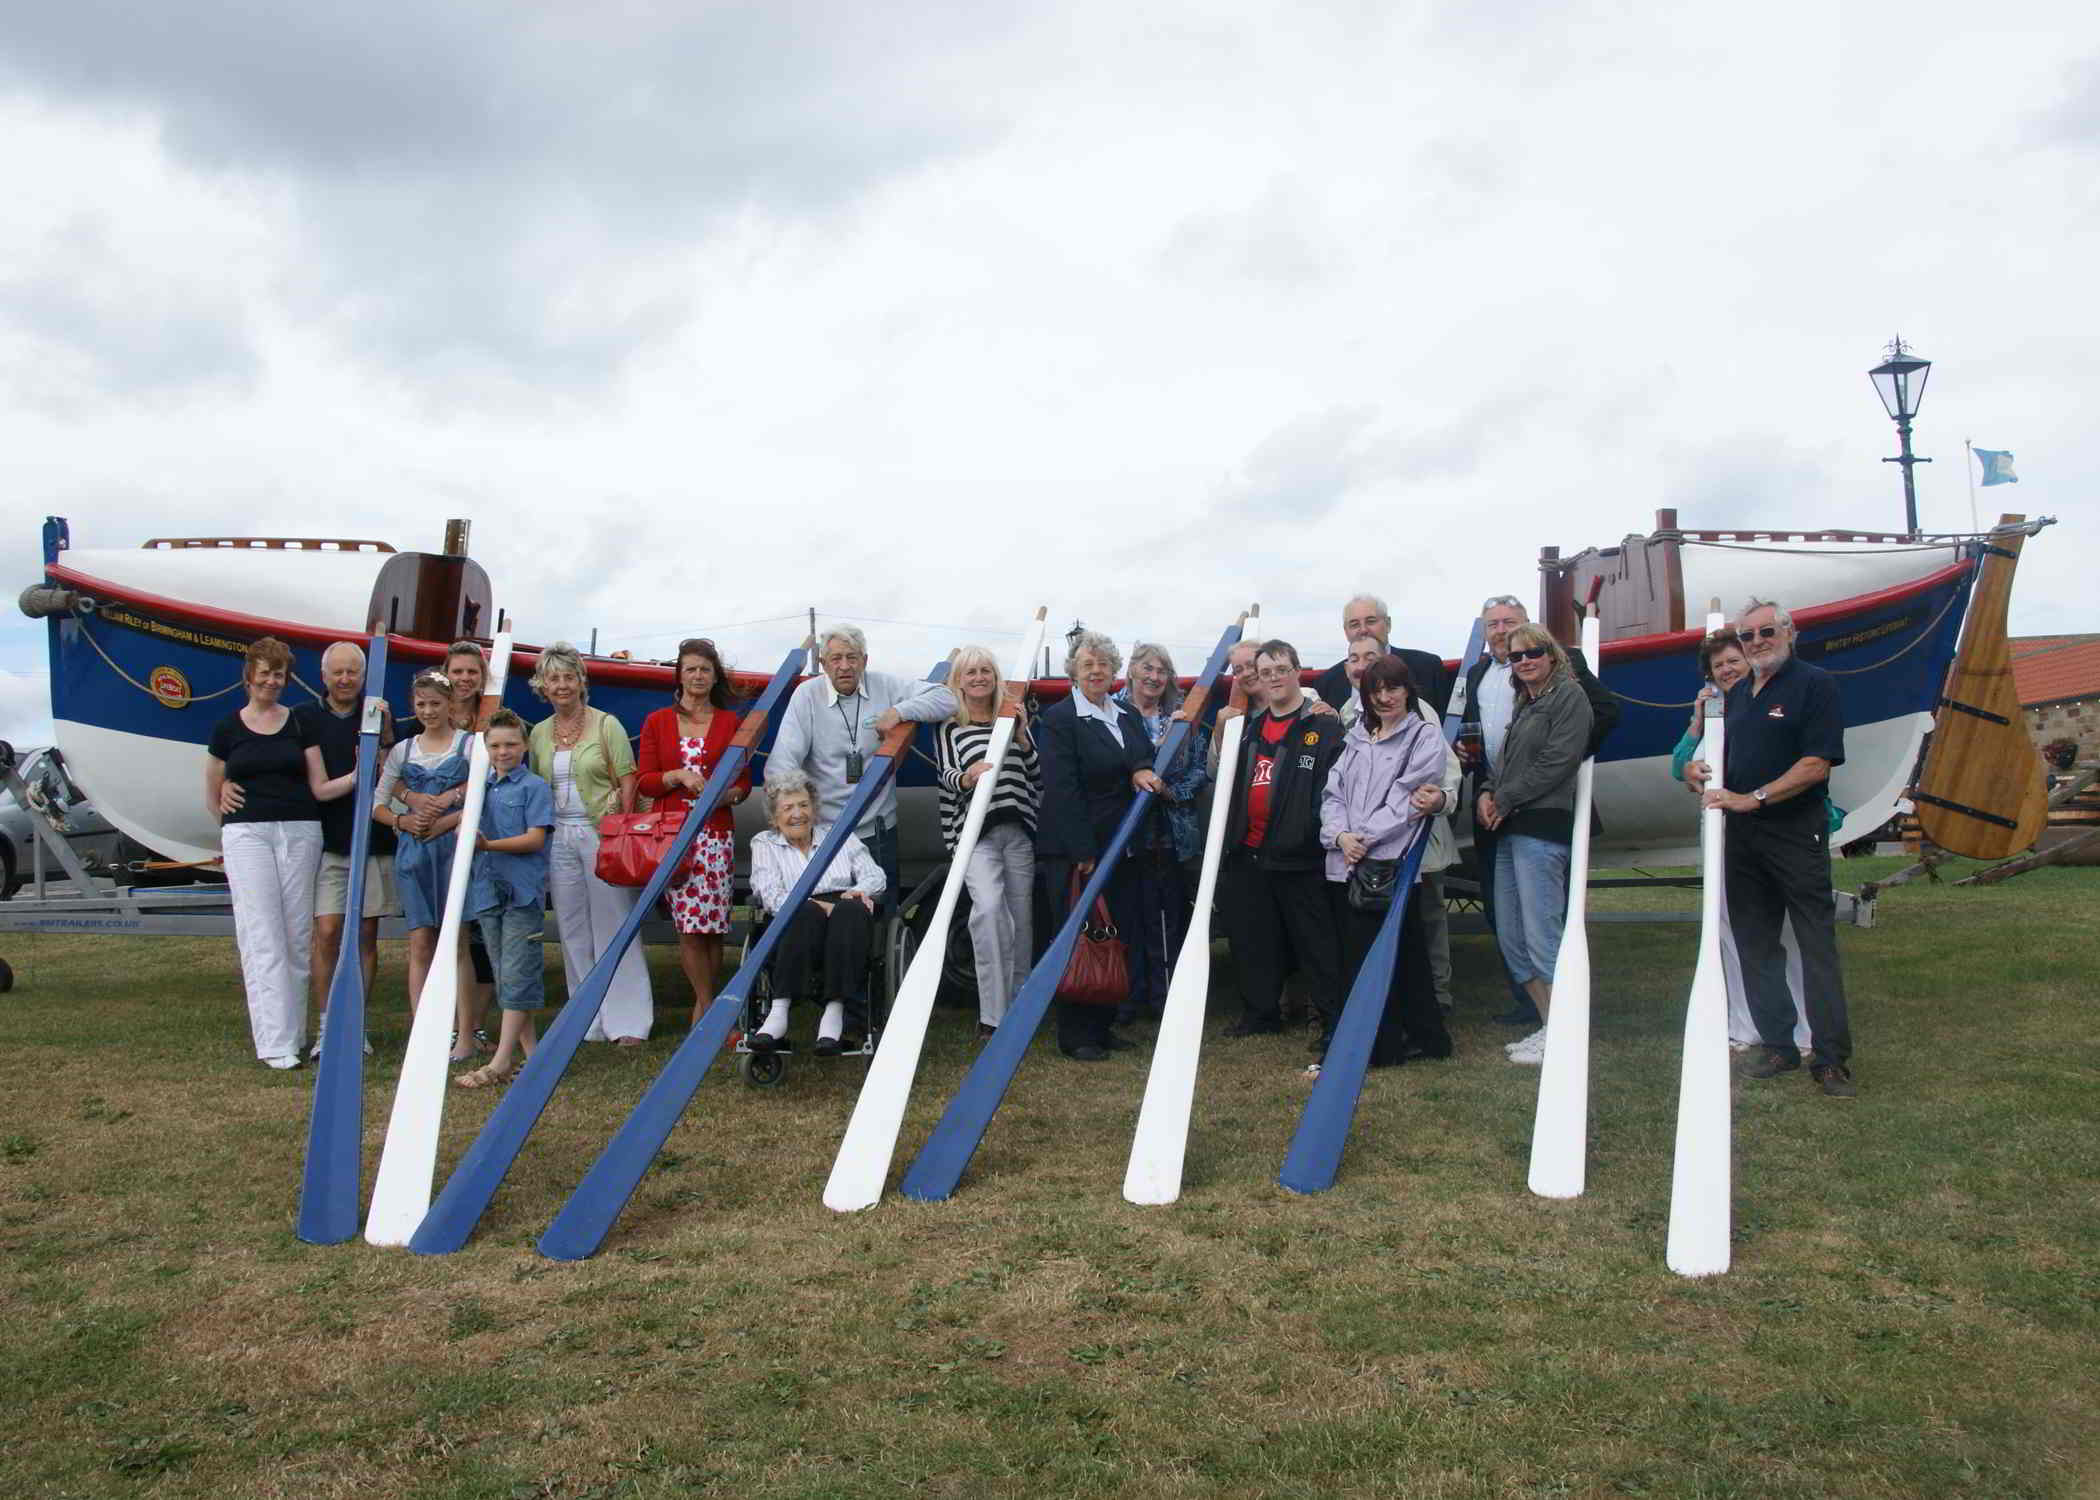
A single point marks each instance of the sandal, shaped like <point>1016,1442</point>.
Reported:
<point>484,1078</point>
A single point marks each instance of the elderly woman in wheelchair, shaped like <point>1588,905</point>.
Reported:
<point>823,955</point>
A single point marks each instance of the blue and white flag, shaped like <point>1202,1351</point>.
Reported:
<point>1997,467</point>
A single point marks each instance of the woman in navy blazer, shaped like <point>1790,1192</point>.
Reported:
<point>1096,755</point>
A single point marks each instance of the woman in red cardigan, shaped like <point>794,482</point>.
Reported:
<point>680,748</point>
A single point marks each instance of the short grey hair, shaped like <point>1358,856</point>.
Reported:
<point>561,657</point>
<point>1779,614</point>
<point>1149,651</point>
<point>785,782</point>
<point>350,646</point>
<point>1505,601</point>
<point>850,634</point>
<point>1371,599</point>
<point>1094,641</point>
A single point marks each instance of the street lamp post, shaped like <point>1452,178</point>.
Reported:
<point>1900,381</point>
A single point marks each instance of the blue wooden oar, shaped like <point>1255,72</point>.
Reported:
<point>328,1198</point>
<point>459,1207</point>
<point>585,1220</point>
<point>1315,1156</point>
<point>941,1162</point>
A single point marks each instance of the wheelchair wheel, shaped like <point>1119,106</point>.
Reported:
<point>900,942</point>
<point>762,1070</point>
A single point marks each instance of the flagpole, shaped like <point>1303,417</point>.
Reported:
<point>1970,445</point>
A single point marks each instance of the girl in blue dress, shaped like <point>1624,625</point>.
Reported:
<point>433,761</point>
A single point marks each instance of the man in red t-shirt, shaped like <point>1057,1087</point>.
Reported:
<point>1274,879</point>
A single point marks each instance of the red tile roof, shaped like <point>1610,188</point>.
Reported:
<point>2057,673</point>
<point>2028,645</point>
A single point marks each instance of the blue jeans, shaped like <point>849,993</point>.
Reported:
<point>1531,903</point>
<point>514,935</point>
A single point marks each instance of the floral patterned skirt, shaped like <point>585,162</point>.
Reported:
<point>700,902</point>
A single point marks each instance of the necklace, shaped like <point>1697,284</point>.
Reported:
<point>565,738</point>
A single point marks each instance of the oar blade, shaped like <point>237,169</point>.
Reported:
<point>467,1194</point>
<point>1315,1157</point>
<point>1561,1124</point>
<point>332,1182</point>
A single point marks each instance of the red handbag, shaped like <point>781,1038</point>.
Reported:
<point>632,845</point>
<point>1099,973</point>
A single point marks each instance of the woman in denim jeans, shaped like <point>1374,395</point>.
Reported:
<point>1528,800</point>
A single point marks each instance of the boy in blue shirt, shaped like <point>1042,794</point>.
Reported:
<point>507,891</point>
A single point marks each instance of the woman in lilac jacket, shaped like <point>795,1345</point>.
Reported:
<point>1389,781</point>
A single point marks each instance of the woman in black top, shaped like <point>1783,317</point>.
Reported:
<point>1096,755</point>
<point>270,843</point>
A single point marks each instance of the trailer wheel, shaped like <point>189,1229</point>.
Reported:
<point>7,977</point>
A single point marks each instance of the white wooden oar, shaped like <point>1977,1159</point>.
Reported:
<point>1700,1183</point>
<point>1560,1129</point>
<point>870,1142</point>
<point>1160,1144</point>
<point>408,1161</point>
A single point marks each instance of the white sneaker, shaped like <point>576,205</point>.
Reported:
<point>281,1063</point>
<point>1537,1039</point>
<point>315,1055</point>
<point>1530,1057</point>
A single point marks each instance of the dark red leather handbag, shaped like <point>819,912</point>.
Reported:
<point>1099,973</point>
<point>632,845</point>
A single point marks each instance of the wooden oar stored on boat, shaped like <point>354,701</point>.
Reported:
<point>1982,792</point>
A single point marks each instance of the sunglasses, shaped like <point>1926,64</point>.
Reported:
<point>1762,633</point>
<point>1531,654</point>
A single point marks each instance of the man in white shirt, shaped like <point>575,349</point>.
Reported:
<point>832,725</point>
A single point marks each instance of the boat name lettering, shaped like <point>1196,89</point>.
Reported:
<point>169,632</point>
<point>1871,633</point>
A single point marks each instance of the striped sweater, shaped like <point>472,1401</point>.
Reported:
<point>957,747</point>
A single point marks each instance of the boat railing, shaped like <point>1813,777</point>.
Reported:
<point>271,543</point>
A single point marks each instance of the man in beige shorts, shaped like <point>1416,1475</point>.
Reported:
<point>333,724</point>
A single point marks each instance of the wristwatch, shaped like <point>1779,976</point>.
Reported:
<point>1759,794</point>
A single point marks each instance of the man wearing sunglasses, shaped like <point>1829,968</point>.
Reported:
<point>1785,734</point>
<point>1491,700</point>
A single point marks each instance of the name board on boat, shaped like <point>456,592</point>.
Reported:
<point>168,630</point>
<point>1859,635</point>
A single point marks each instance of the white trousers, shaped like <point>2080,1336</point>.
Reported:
<point>270,873</point>
<point>589,913</point>
<point>1000,878</point>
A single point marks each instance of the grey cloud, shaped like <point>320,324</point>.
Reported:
<point>83,318</point>
<point>1302,470</point>
<point>1279,240</point>
<point>1763,479</point>
<point>461,169</point>
<point>1312,464</point>
<point>2074,120</point>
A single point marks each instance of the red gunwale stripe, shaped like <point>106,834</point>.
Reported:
<point>639,674</point>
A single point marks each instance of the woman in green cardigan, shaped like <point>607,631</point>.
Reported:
<point>585,755</point>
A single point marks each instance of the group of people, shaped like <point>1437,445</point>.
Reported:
<point>1331,792</point>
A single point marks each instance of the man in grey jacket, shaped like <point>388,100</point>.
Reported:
<point>831,727</point>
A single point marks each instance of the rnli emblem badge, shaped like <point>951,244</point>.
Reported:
<point>1778,711</point>
<point>169,687</point>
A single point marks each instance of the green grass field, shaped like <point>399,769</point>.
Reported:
<point>1912,1310</point>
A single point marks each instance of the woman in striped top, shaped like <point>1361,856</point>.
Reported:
<point>1000,876</point>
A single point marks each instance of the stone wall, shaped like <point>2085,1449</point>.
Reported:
<point>2068,721</point>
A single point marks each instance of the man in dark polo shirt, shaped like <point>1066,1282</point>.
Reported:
<point>334,724</point>
<point>1785,733</point>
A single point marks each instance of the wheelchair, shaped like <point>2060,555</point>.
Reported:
<point>889,955</point>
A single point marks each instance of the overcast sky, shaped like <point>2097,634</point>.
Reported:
<point>935,312</point>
